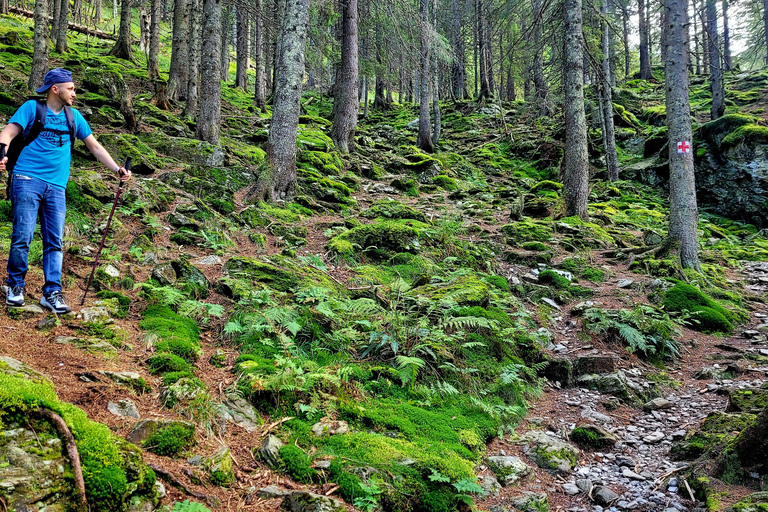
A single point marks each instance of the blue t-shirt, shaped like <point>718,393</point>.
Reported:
<point>48,157</point>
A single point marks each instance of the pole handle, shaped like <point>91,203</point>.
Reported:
<point>2,150</point>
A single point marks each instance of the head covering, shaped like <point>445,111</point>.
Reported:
<point>55,76</point>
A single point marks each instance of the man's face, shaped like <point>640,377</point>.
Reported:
<point>65,91</point>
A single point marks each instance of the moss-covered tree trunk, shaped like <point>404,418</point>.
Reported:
<point>345,104</point>
<point>153,58</point>
<point>178,74</point>
<point>278,179</point>
<point>683,211</point>
<point>61,32</point>
<point>210,85</point>
<point>260,93</point>
<point>122,48</point>
<point>611,157</point>
<point>715,67</point>
<point>243,48</point>
<point>40,54</point>
<point>195,38</point>
<point>575,171</point>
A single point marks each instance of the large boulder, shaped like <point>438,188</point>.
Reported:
<point>549,452</point>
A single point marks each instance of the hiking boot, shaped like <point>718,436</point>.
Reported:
<point>14,296</point>
<point>55,302</point>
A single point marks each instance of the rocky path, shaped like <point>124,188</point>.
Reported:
<point>634,469</point>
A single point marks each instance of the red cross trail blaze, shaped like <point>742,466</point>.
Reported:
<point>683,147</point>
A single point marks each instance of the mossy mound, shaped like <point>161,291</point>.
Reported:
<point>388,209</point>
<point>717,429</point>
<point>465,290</point>
<point>747,400</point>
<point>756,502</point>
<point>278,272</point>
<point>379,240</point>
<point>113,469</point>
<point>527,230</point>
<point>750,134</point>
<point>707,314</point>
<point>171,439</point>
<point>717,130</point>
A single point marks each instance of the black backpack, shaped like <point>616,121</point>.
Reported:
<point>25,138</point>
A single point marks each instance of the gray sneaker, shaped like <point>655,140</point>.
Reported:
<point>55,302</point>
<point>14,296</point>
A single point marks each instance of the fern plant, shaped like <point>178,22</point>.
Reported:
<point>178,300</point>
<point>644,329</point>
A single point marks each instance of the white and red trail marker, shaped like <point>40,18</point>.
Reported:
<point>683,147</point>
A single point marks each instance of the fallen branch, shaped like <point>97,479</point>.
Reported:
<point>688,487</point>
<point>171,479</point>
<point>70,25</point>
<point>74,457</point>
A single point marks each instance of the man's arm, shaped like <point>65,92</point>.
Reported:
<point>6,136</point>
<point>103,156</point>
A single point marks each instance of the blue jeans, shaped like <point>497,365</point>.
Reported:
<point>30,196</point>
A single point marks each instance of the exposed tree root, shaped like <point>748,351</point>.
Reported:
<point>74,457</point>
<point>171,479</point>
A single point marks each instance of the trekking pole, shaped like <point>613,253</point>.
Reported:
<point>106,230</point>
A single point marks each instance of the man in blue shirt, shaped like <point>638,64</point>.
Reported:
<point>39,182</point>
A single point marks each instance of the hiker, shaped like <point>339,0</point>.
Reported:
<point>39,180</point>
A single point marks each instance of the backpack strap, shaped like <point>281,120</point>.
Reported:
<point>71,124</point>
<point>38,124</point>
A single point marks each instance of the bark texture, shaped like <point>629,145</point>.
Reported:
<point>178,75</point>
<point>40,55</point>
<point>61,32</point>
<point>727,63</point>
<point>459,76</point>
<point>195,39</point>
<point>122,48</point>
<point>424,138</point>
<point>243,48</point>
<point>575,171</point>
<point>227,21</point>
<point>345,104</point>
<point>765,22</point>
<point>645,58</point>
<point>715,67</point>
<point>611,157</point>
<point>5,6</point>
<point>539,82</point>
<point>683,211</point>
<point>260,92</point>
<point>210,85</point>
<point>278,179</point>
<point>153,59</point>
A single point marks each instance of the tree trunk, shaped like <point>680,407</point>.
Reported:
<point>227,18</point>
<point>153,59</point>
<point>345,104</point>
<point>243,48</point>
<point>260,93</point>
<point>611,158</point>
<point>683,212</point>
<point>178,75</point>
<point>697,50</point>
<point>144,23</point>
<point>57,14</point>
<point>424,139</point>
<point>436,127</point>
<point>459,76</point>
<point>575,171</point>
<point>539,82</point>
<point>365,97</point>
<point>486,91</point>
<point>114,12</point>
<point>210,84</point>
<point>5,6</point>
<point>40,55</point>
<point>278,179</point>
<point>765,22</point>
<point>716,71</point>
<point>61,34</point>
<point>625,23</point>
<point>122,48</point>
<point>726,39</point>
<point>645,61</point>
<point>77,11</point>
<point>97,15</point>
<point>195,42</point>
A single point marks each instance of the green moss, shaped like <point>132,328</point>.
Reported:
<point>163,363</point>
<point>296,463</point>
<point>395,210</point>
<point>750,134</point>
<point>715,131</point>
<point>707,314</point>
<point>171,440</point>
<point>445,182</point>
<point>552,277</point>
<point>177,335</point>
<point>499,282</point>
<point>465,290</point>
<point>552,186</point>
<point>379,240</point>
<point>526,231</point>
<point>535,246</point>
<point>122,300</point>
<point>79,201</point>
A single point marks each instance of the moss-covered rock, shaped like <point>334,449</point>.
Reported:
<point>465,290</point>
<point>752,400</point>
<point>379,240</point>
<point>389,209</point>
<point>717,130</point>
<point>278,272</point>
<point>756,502</point>
<point>707,314</point>
<point>527,230</point>
<point>717,429</point>
<point>549,452</point>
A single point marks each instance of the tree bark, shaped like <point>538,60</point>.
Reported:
<point>424,138</point>
<point>97,15</point>
<point>575,171</point>
<point>539,82</point>
<point>195,40</point>
<point>61,34</point>
<point>153,59</point>
<point>716,71</point>
<point>122,48</point>
<point>278,179</point>
<point>437,117</point>
<point>57,13</point>
<point>227,19</point>
<point>486,89</point>
<point>178,75</point>
<point>765,22</point>
<point>726,39</point>
<point>210,85</point>
<point>5,6</point>
<point>243,48</point>
<point>645,62</point>
<point>683,211</point>
<point>697,51</point>
<point>260,92</point>
<point>611,157</point>
<point>459,76</point>
<point>625,35</point>
<point>40,54</point>
<point>345,104</point>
